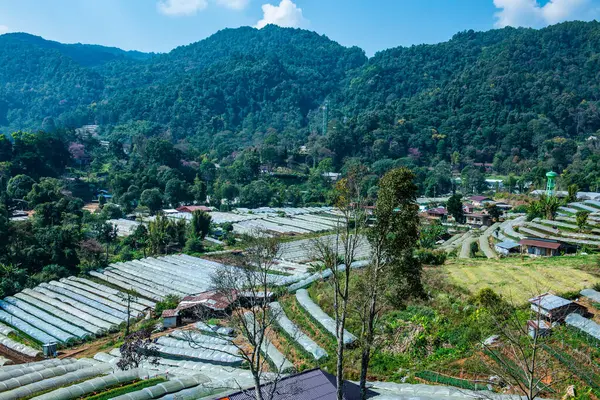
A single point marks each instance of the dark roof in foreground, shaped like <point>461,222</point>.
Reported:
<point>313,384</point>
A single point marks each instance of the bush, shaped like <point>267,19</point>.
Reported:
<point>431,257</point>
<point>170,302</point>
<point>194,245</point>
<point>474,248</point>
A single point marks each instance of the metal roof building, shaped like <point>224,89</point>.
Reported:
<point>307,385</point>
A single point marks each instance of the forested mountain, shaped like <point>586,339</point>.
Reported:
<point>514,97</point>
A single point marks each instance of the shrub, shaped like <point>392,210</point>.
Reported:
<point>170,302</point>
<point>431,257</point>
<point>449,381</point>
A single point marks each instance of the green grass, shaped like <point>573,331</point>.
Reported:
<point>124,389</point>
<point>434,377</point>
<point>520,279</point>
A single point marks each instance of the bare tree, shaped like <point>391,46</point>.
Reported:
<point>128,297</point>
<point>519,354</point>
<point>339,254</point>
<point>248,288</point>
<point>137,348</point>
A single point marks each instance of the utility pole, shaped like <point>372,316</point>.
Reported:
<point>325,116</point>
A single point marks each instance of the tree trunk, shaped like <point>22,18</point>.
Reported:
<point>340,361</point>
<point>367,345</point>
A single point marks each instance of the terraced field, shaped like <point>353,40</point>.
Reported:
<point>521,279</point>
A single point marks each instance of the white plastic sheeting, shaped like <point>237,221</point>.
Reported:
<point>193,393</point>
<point>50,319</point>
<point>164,285</point>
<point>149,286</point>
<point>88,310</point>
<point>34,327</point>
<point>211,356</point>
<point>120,298</point>
<point>279,361</point>
<point>18,347</point>
<point>105,289</point>
<point>295,333</point>
<point>583,324</point>
<point>592,294</point>
<point>102,300</point>
<point>26,379</point>
<point>93,385</point>
<point>189,343</point>
<point>324,275</point>
<point>121,316</point>
<point>126,285</point>
<point>320,316</point>
<point>5,330</point>
<point>22,369</point>
<point>170,386</point>
<point>200,338</point>
<point>72,318</point>
<point>55,382</point>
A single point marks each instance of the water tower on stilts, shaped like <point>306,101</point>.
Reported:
<point>551,183</point>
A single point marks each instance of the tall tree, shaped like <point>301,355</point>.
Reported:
<point>343,251</point>
<point>393,238</point>
<point>455,208</point>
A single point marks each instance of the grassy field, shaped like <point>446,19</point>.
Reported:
<point>519,279</point>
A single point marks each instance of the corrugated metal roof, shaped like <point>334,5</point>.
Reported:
<point>308,385</point>
<point>549,301</point>
<point>540,243</point>
<point>508,244</point>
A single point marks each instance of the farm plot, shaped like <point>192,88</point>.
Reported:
<point>156,278</point>
<point>75,309</point>
<point>302,251</point>
<point>520,279</point>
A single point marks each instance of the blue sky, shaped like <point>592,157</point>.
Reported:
<point>161,25</point>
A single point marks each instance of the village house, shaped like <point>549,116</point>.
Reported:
<point>553,308</point>
<point>507,247</point>
<point>439,213</point>
<point>479,201</point>
<point>545,247</point>
<point>478,220</point>
<point>191,209</point>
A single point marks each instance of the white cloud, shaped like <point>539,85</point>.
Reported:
<point>530,13</point>
<point>286,14</point>
<point>233,4</point>
<point>176,8</point>
<point>3,29</point>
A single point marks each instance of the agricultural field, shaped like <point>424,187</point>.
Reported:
<point>520,279</point>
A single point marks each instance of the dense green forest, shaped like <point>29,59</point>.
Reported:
<point>525,100</point>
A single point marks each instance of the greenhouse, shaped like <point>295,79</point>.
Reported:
<point>47,373</point>
<point>30,389</point>
<point>67,316</point>
<point>43,331</point>
<point>93,385</point>
<point>50,319</point>
<point>320,316</point>
<point>583,324</point>
<point>120,298</point>
<point>18,347</point>
<point>85,300</point>
<point>170,386</point>
<point>277,359</point>
<point>295,333</point>
<point>82,307</point>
